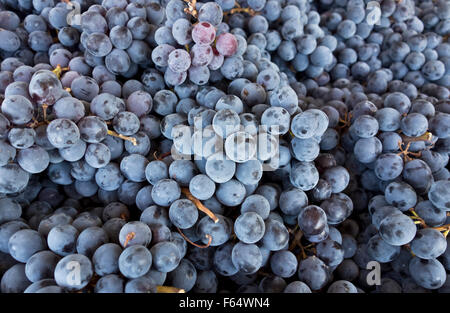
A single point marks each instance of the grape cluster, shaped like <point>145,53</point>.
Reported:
<point>257,146</point>
<point>197,49</point>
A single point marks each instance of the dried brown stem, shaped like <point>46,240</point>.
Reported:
<point>199,205</point>
<point>193,243</point>
<point>114,134</point>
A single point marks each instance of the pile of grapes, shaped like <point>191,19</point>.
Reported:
<point>249,146</point>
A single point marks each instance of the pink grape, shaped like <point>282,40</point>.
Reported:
<point>179,61</point>
<point>226,44</point>
<point>201,55</point>
<point>217,60</point>
<point>203,33</point>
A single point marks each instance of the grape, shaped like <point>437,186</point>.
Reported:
<point>33,160</point>
<point>249,227</point>
<point>41,266</point>
<point>438,195</point>
<point>165,192</point>
<point>135,254</point>
<point>226,44</point>
<point>7,230</point>
<point>342,286</point>
<point>401,195</point>
<point>144,198</point>
<point>44,87</point>
<point>438,124</point>
<point>181,31</point>
<point>223,260</point>
<point>34,287</point>
<point>166,256</point>
<point>257,204</point>
<point>276,236</point>
<point>210,12</point>
<point>92,22</point>
<point>246,258</point>
<point>219,168</point>
<point>14,280</point>
<point>388,166</point>
<point>184,276</point>
<point>337,208</point>
<point>219,231</point>
<point>183,213</point>
<point>126,123</point>
<point>24,243</point>
<point>155,215</point>
<point>313,272</point>
<point>62,272</point>
<point>97,155</point>
<point>304,176</point>
<point>397,229</point>
<point>118,61</point>
<point>121,37</point>
<point>69,108</point>
<point>112,228</point>
<point>90,239</point>
<point>249,172</point>
<point>17,109</point>
<point>206,282</point>
<point>140,285</point>
<point>85,220</point>
<point>109,284</point>
<point>283,263</point>
<point>423,247</point>
<point>430,214</point>
<point>292,201</point>
<point>63,133</point>
<point>231,193</point>
<point>381,251</point>
<point>429,274</point>
<point>139,233</point>
<point>297,287</point>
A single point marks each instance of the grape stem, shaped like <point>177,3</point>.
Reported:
<point>420,221</point>
<point>168,289</point>
<point>191,8</point>
<point>249,11</point>
<point>44,108</point>
<point>162,156</point>
<point>193,243</point>
<point>199,205</point>
<point>425,137</point>
<point>408,246</point>
<point>114,134</point>
<point>417,219</point>
<point>346,121</point>
<point>35,123</point>
<point>58,70</point>
<point>297,242</point>
<point>405,151</point>
<point>239,9</point>
<point>129,237</point>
